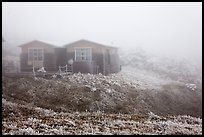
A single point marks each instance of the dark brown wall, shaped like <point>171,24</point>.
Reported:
<point>37,44</point>
<point>61,56</point>
<point>102,57</point>
<point>112,64</point>
<point>49,56</point>
<point>49,62</point>
<point>84,67</point>
<point>115,62</point>
<point>87,67</point>
<point>98,58</point>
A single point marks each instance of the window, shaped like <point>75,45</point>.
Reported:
<point>35,54</point>
<point>83,54</point>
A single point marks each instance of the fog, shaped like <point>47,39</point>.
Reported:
<point>167,29</point>
<point>154,83</point>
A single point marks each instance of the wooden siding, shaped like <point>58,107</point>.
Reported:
<point>37,44</point>
<point>49,61</point>
<point>61,57</point>
<point>105,58</point>
<point>84,67</point>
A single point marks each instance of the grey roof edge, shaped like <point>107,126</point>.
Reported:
<point>66,45</point>
<point>51,45</point>
<point>106,46</point>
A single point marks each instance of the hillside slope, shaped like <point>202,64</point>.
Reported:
<point>125,92</point>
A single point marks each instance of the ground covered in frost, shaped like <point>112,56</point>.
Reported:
<point>124,103</point>
<point>27,120</point>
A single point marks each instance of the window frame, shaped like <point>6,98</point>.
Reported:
<point>35,57</point>
<point>87,57</point>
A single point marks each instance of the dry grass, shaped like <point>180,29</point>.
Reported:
<point>65,95</point>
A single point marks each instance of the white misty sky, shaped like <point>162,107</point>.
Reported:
<point>173,29</point>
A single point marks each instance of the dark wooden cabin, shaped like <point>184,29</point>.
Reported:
<point>38,54</point>
<point>83,56</point>
<point>92,57</point>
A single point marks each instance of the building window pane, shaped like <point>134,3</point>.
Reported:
<point>35,54</point>
<point>83,54</point>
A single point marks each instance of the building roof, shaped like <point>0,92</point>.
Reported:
<point>87,41</point>
<point>57,45</point>
<point>37,41</point>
